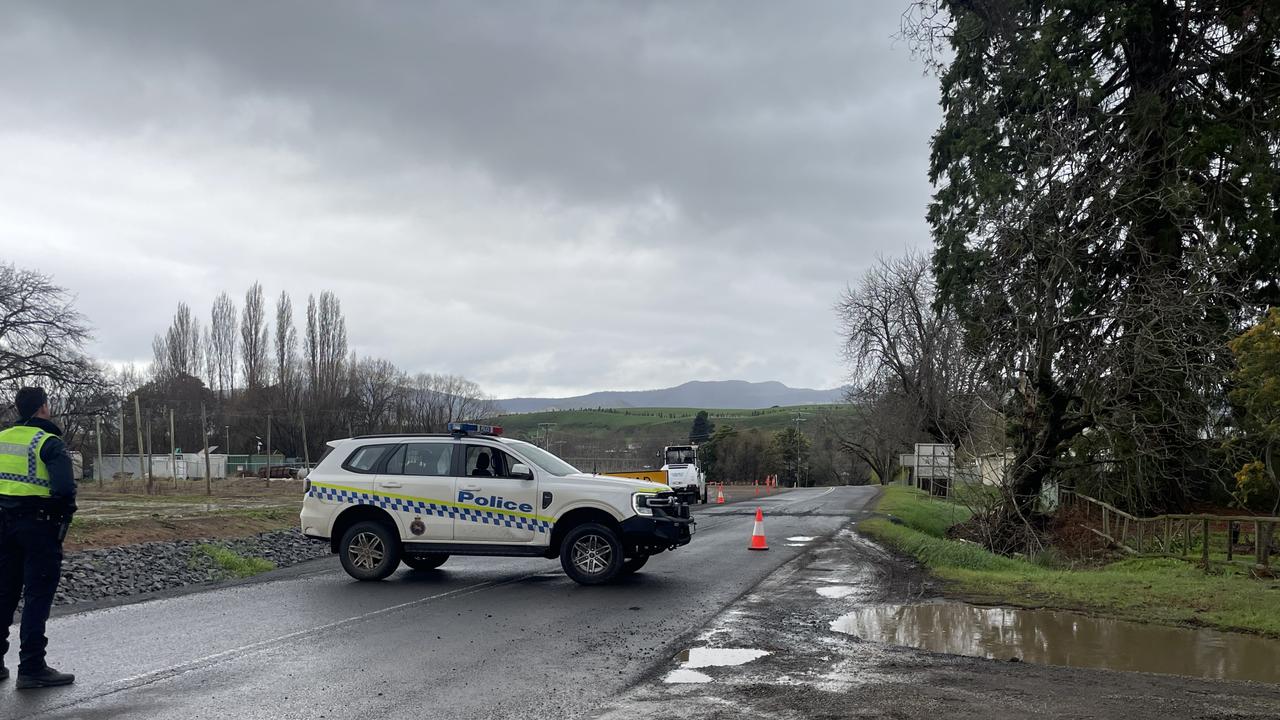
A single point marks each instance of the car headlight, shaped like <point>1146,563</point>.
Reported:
<point>640,503</point>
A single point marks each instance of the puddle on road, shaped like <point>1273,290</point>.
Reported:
<point>709,657</point>
<point>683,677</point>
<point>801,539</point>
<point>718,657</point>
<point>1061,638</point>
<point>837,591</point>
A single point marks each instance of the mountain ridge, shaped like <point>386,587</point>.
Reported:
<point>725,394</point>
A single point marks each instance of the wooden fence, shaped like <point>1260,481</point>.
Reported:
<point>1213,538</point>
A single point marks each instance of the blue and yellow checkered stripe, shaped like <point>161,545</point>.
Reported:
<point>32,477</point>
<point>425,506</point>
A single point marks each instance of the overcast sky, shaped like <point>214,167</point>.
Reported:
<point>549,198</point>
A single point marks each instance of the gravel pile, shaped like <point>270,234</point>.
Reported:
<point>149,567</point>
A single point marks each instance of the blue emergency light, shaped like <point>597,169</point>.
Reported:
<point>462,428</point>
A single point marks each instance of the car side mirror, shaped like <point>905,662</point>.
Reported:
<point>522,471</point>
<point>303,473</point>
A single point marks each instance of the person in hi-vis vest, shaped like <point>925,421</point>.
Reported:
<point>37,500</point>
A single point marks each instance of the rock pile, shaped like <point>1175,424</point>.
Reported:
<point>149,567</point>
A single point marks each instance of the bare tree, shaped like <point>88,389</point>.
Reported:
<point>887,424</point>
<point>377,386</point>
<point>898,339</point>
<point>178,351</point>
<point>326,345</point>
<point>222,325</point>
<point>42,336</point>
<point>253,339</point>
<point>210,359</point>
<point>286,346</point>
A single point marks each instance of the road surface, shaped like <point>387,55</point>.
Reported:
<point>479,638</point>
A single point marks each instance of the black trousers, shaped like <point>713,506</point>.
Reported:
<point>30,566</point>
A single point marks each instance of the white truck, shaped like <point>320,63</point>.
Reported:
<point>380,500</point>
<point>684,474</point>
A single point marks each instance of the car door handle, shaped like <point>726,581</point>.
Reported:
<point>390,484</point>
<point>470,487</point>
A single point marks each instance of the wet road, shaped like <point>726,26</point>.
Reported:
<point>481,637</point>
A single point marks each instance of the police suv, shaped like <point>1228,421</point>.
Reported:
<point>380,500</point>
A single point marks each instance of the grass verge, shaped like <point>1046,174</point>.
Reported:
<point>235,564</point>
<point>1158,590</point>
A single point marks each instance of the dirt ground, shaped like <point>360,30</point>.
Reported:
<point>811,671</point>
<point>122,514</point>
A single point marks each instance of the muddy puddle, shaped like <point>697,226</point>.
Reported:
<point>1062,638</point>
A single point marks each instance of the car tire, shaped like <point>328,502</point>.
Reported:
<point>425,561</point>
<point>633,564</point>
<point>591,554</point>
<point>369,551</point>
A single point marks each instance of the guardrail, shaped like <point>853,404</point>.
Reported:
<point>1214,538</point>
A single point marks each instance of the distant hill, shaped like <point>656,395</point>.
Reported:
<point>727,394</point>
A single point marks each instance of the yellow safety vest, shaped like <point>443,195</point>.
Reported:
<point>22,472</point>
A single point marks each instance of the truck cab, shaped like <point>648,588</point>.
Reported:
<point>684,474</point>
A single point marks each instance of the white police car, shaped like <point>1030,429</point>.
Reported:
<point>385,499</point>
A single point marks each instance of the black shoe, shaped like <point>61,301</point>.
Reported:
<point>48,677</point>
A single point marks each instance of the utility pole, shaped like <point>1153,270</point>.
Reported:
<point>97,433</point>
<point>120,417</point>
<point>151,475</point>
<point>546,434</point>
<point>306,451</point>
<point>226,429</point>
<point>204,435</point>
<point>137,424</point>
<point>173,451</point>
<point>268,449</point>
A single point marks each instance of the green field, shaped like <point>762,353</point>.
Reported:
<point>1160,590</point>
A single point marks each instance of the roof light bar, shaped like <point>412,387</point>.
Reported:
<point>473,428</point>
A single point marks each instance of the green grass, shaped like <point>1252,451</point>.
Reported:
<point>235,564</point>
<point>1157,590</point>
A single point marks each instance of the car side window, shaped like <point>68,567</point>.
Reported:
<point>365,458</point>
<point>432,459</point>
<point>504,463</point>
<point>479,461</point>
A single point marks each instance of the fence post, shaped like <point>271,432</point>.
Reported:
<point>1186,537</point>
<point>137,425</point>
<point>204,433</point>
<point>1204,551</point>
<point>268,449</point>
<point>1168,535</point>
<point>1141,528</point>
<point>1263,543</point>
<point>173,451</point>
<point>1106,526</point>
<point>1231,550</point>
<point>151,473</point>
<point>97,433</point>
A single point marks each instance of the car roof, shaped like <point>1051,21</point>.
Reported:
<point>433,436</point>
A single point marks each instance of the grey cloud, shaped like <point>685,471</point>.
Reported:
<point>767,150</point>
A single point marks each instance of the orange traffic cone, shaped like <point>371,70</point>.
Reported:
<point>720,494</point>
<point>757,533</point>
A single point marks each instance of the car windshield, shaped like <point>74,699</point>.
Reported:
<point>544,459</point>
<point>678,456</point>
